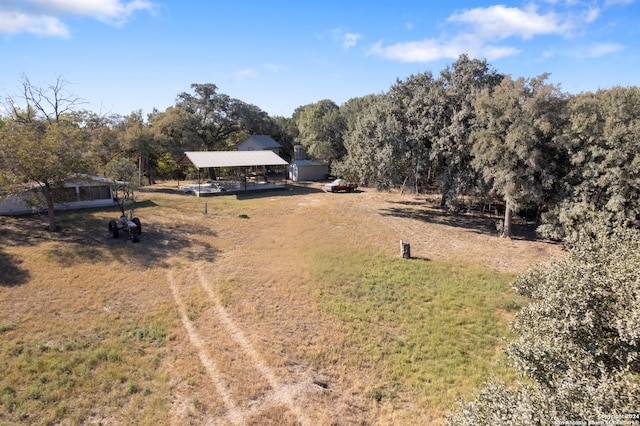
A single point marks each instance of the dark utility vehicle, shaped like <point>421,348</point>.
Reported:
<point>131,227</point>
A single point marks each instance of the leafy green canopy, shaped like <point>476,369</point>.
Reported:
<point>602,141</point>
<point>321,129</point>
<point>41,145</point>
<point>122,173</point>
<point>579,341</point>
<point>515,145</point>
<point>41,157</point>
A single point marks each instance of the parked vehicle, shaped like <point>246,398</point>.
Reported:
<point>131,227</point>
<point>339,185</point>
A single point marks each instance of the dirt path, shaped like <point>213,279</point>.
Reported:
<point>279,392</point>
<point>282,391</point>
<point>233,413</point>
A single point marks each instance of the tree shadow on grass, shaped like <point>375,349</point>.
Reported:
<point>11,273</point>
<point>474,221</point>
<point>157,243</point>
<point>86,239</point>
<point>285,191</point>
<point>16,232</point>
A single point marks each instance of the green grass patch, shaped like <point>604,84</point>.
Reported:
<point>7,327</point>
<point>153,333</point>
<point>44,382</point>
<point>419,326</point>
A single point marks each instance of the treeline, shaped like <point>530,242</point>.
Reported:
<point>469,133</point>
<point>472,133</point>
<point>46,139</point>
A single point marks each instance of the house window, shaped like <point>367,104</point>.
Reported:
<point>88,193</point>
<point>68,195</point>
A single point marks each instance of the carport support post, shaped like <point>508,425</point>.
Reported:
<point>405,250</point>
<point>198,181</point>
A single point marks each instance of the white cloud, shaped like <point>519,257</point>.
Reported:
<point>415,51</point>
<point>349,40</point>
<point>16,23</point>
<point>567,2</point>
<point>594,50</point>
<point>592,15</point>
<point>500,22</point>
<point>430,50</point>
<point>601,49</point>
<point>104,10</point>
<point>492,53</point>
<point>244,74</point>
<point>618,2</point>
<point>43,17</point>
<point>479,29</point>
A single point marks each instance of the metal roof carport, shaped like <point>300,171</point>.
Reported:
<point>207,159</point>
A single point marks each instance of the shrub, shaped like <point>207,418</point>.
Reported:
<point>579,340</point>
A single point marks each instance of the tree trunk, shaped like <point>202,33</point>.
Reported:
<point>140,181</point>
<point>506,229</point>
<point>53,227</point>
<point>149,169</point>
<point>212,173</point>
<point>403,185</point>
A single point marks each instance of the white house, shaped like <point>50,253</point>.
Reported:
<point>92,191</point>
<point>259,143</point>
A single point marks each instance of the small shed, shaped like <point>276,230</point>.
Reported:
<point>302,169</point>
<point>259,143</point>
<point>313,170</point>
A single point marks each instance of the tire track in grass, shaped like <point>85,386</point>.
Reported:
<point>234,414</point>
<point>281,392</point>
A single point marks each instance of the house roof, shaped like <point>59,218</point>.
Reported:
<point>77,180</point>
<point>204,159</point>
<point>264,141</point>
<point>307,163</point>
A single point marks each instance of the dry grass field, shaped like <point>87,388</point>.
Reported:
<point>286,307</point>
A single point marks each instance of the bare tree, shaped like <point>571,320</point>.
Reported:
<point>49,103</point>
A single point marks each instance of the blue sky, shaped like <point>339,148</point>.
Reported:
<point>126,55</point>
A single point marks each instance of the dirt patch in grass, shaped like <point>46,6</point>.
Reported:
<point>232,298</point>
